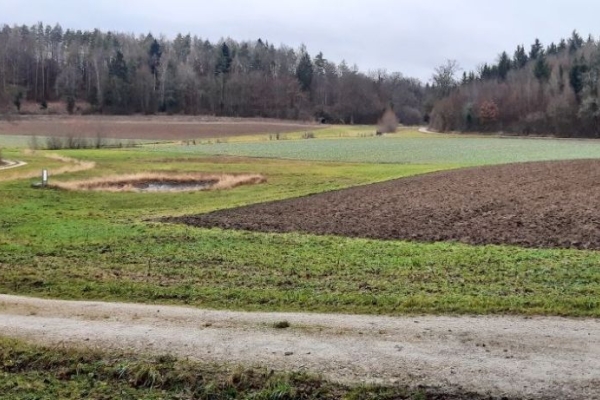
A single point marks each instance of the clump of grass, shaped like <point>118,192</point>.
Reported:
<point>232,181</point>
<point>281,324</point>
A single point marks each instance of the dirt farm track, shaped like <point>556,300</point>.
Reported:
<point>145,128</point>
<point>535,358</point>
<point>544,204</point>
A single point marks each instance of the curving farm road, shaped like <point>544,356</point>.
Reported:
<point>12,164</point>
<point>513,356</point>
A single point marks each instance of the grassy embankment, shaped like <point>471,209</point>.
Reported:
<point>83,245</point>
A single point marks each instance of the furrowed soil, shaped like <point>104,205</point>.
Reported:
<point>540,205</point>
<point>146,128</point>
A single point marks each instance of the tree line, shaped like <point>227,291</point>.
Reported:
<point>118,73</point>
<point>552,89</point>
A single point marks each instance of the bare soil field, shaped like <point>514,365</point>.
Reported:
<point>544,204</point>
<point>145,127</point>
<point>533,358</point>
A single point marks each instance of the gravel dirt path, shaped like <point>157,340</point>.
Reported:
<point>499,356</point>
<point>12,164</point>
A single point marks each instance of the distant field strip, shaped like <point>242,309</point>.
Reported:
<point>41,142</point>
<point>409,150</point>
<point>146,128</point>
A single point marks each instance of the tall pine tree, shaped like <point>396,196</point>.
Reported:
<point>542,69</point>
<point>305,71</point>
<point>520,58</point>
<point>537,49</point>
<point>504,65</point>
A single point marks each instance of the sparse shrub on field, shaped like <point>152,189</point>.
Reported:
<point>308,135</point>
<point>78,142</point>
<point>388,122</point>
<point>73,142</point>
<point>33,143</point>
<point>54,143</point>
<point>99,141</point>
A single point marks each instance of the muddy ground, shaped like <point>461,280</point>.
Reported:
<point>543,204</point>
<point>146,128</point>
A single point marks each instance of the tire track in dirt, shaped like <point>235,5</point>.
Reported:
<point>12,164</point>
<point>70,165</point>
<point>512,356</point>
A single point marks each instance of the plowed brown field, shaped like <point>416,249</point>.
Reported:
<point>146,128</point>
<point>546,204</point>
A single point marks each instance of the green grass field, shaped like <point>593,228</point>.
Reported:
<point>406,147</point>
<point>108,246</point>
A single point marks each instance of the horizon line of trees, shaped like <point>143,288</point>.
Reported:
<point>552,89</point>
<point>118,73</point>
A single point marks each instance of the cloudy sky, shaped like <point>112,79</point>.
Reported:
<point>410,36</point>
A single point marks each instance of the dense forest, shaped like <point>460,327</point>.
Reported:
<point>117,73</point>
<point>552,89</point>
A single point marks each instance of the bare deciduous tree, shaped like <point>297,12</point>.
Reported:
<point>112,72</point>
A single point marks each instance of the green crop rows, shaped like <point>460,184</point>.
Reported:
<point>409,149</point>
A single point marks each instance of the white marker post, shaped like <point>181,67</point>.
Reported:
<point>44,177</point>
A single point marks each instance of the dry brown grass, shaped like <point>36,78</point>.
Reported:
<point>131,183</point>
<point>74,165</point>
<point>388,122</point>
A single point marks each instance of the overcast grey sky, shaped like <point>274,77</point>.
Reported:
<point>410,36</point>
